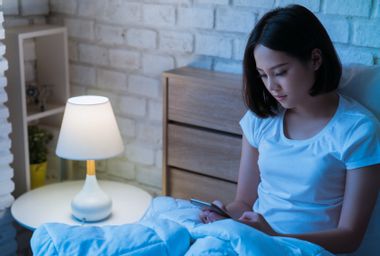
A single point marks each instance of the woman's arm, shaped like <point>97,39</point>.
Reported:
<point>248,181</point>
<point>361,191</point>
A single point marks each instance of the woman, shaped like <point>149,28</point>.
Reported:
<point>310,163</point>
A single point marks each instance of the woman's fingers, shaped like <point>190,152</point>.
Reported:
<point>208,216</point>
<point>249,215</point>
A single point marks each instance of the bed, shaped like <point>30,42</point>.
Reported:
<point>201,151</point>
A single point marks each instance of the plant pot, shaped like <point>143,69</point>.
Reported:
<point>38,174</point>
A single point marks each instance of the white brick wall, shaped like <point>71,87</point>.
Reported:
<point>119,48</point>
<point>8,245</point>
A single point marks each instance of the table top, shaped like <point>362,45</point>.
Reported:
<point>52,203</point>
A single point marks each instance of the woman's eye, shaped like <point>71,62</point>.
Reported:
<point>281,73</point>
<point>262,75</point>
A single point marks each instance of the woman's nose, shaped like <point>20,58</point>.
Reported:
<point>272,84</point>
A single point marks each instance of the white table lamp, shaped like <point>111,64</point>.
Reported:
<point>89,132</point>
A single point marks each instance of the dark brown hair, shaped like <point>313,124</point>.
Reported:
<point>296,31</point>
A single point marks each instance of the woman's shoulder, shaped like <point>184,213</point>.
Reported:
<point>355,113</point>
<point>354,120</point>
<point>255,127</point>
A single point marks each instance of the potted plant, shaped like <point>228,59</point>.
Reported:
<point>38,141</point>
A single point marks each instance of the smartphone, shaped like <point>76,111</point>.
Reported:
<point>211,207</point>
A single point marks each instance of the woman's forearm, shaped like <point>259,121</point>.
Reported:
<point>335,241</point>
<point>237,208</point>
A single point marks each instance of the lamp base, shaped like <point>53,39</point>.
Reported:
<point>91,203</point>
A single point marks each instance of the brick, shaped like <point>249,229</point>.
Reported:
<point>196,17</point>
<point>150,134</point>
<point>73,50</point>
<point>312,5</point>
<point>82,74</point>
<point>176,41</point>
<point>159,15</point>
<point>156,64</point>
<point>39,20</point>
<point>204,62</point>
<point>140,154</point>
<point>111,80</point>
<point>132,106</point>
<point>109,35</point>
<point>77,90</point>
<point>348,7</point>
<point>155,112</point>
<point>127,127</point>
<point>124,59</point>
<point>34,7</point>
<point>256,3</point>
<point>351,54</point>
<point>239,48</point>
<point>142,38</point>
<point>10,7</point>
<point>122,168</point>
<point>11,22</point>
<point>228,66</point>
<point>120,12</point>
<point>367,33</point>
<point>90,8</point>
<point>213,45</point>
<point>220,2</point>
<point>93,54</point>
<point>179,2</point>
<point>149,176</point>
<point>338,28</point>
<point>144,86</point>
<point>235,20</point>
<point>83,29</point>
<point>159,158</point>
<point>65,6</point>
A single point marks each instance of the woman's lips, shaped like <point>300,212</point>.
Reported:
<point>280,97</point>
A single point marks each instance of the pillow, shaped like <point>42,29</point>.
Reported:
<point>362,83</point>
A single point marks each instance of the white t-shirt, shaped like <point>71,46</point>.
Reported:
<point>302,181</point>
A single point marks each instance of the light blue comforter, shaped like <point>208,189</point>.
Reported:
<point>169,227</point>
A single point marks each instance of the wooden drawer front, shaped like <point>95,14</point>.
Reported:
<point>204,152</point>
<point>189,185</point>
<point>205,104</point>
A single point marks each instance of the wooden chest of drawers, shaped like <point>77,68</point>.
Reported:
<point>202,137</point>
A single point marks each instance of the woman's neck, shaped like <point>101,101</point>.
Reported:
<point>320,106</point>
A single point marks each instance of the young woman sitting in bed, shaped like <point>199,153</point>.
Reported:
<point>310,157</point>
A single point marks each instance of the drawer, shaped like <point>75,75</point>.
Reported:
<point>203,103</point>
<point>204,152</point>
<point>188,185</point>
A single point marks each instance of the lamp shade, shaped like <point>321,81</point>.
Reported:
<point>89,130</point>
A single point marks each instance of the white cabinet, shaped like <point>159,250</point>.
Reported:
<point>50,66</point>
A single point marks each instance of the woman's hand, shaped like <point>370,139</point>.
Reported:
<point>257,221</point>
<point>208,216</point>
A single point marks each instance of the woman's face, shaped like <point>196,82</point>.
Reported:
<point>286,78</point>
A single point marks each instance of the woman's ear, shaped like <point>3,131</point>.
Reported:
<point>316,58</point>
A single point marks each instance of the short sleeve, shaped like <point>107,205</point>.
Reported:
<point>247,124</point>
<point>362,146</point>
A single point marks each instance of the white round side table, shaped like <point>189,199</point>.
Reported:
<point>51,203</point>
